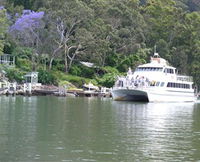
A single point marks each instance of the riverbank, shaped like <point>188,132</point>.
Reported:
<point>52,90</point>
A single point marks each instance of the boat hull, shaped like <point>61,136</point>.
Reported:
<point>149,95</point>
<point>129,95</point>
<point>171,96</point>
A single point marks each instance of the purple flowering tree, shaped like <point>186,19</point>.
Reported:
<point>27,27</point>
<point>27,30</point>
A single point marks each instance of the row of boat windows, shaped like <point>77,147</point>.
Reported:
<point>161,84</point>
<point>171,71</point>
<point>171,84</point>
<point>178,85</point>
<point>167,70</point>
<point>149,69</point>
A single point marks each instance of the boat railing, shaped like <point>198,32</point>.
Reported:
<point>184,78</point>
<point>131,84</point>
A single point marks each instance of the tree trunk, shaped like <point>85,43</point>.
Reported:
<point>50,63</point>
<point>33,62</point>
<point>66,63</point>
<point>74,55</point>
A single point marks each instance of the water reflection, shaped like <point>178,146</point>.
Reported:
<point>159,131</point>
<point>91,129</point>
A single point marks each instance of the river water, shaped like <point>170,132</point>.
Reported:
<point>92,129</point>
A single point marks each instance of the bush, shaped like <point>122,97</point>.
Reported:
<point>23,64</point>
<point>109,77</point>
<point>46,77</point>
<point>83,71</point>
<point>107,80</point>
<point>58,65</point>
<point>14,75</point>
<point>23,52</point>
<point>75,70</point>
<point>130,61</point>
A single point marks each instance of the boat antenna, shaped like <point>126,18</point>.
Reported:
<point>154,49</point>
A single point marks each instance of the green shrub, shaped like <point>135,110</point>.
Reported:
<point>58,65</point>
<point>109,76</point>
<point>82,71</point>
<point>130,61</point>
<point>23,52</point>
<point>75,70</point>
<point>14,74</point>
<point>46,77</point>
<point>23,64</point>
<point>107,80</point>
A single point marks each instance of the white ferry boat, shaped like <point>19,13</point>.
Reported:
<point>156,81</point>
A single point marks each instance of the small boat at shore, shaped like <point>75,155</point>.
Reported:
<point>156,81</point>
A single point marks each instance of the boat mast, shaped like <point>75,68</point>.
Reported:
<point>155,49</point>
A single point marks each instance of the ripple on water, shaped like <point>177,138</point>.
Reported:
<point>77,151</point>
<point>88,160</point>
<point>59,148</point>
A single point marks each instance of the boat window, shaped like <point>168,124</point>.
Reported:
<point>157,69</point>
<point>178,85</point>
<point>193,86</point>
<point>162,84</point>
<point>152,83</point>
<point>120,83</point>
<point>170,71</point>
<point>157,84</point>
<point>153,69</point>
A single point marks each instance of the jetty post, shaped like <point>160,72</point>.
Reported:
<point>31,79</point>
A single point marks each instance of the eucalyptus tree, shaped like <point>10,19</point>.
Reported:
<point>192,43</point>
<point>161,17</point>
<point>127,25</point>
<point>186,51</point>
<point>118,30</point>
<point>66,18</point>
<point>27,4</point>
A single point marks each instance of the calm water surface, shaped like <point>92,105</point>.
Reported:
<point>91,129</point>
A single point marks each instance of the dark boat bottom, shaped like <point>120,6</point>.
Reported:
<point>138,98</point>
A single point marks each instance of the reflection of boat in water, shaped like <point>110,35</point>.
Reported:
<point>154,81</point>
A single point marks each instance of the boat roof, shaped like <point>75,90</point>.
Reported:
<point>158,62</point>
<point>156,65</point>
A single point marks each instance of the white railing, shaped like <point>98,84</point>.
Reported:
<point>7,59</point>
<point>184,78</point>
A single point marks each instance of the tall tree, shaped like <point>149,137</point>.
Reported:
<point>67,18</point>
<point>27,4</point>
<point>3,28</point>
<point>27,30</point>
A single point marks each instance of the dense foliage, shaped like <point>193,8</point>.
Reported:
<point>3,26</point>
<point>115,33</point>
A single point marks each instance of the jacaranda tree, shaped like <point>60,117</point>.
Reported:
<point>28,31</point>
